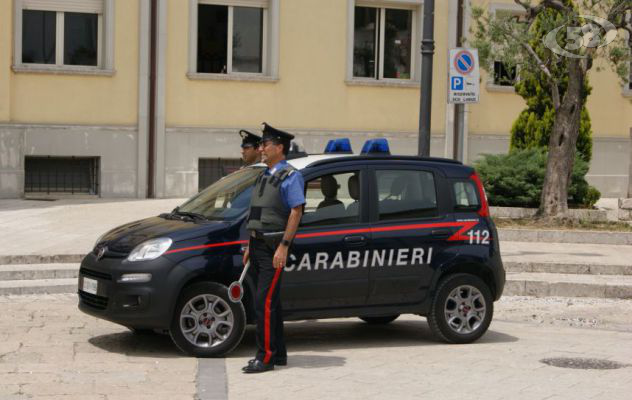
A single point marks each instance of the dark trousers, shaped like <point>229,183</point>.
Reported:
<point>270,341</point>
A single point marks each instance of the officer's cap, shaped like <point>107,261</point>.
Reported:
<point>279,136</point>
<point>249,139</point>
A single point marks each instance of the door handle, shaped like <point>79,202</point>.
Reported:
<point>441,233</point>
<point>355,240</point>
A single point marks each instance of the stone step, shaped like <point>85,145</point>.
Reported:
<point>559,268</point>
<point>38,286</point>
<point>568,285</point>
<point>40,259</point>
<point>38,271</point>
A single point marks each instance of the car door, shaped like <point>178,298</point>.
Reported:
<point>410,228</point>
<point>323,270</point>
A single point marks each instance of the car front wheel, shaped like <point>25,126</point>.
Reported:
<point>206,323</point>
<point>462,309</point>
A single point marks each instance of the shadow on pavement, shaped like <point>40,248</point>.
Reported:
<point>323,336</point>
<point>314,361</point>
<point>312,336</point>
<point>138,345</point>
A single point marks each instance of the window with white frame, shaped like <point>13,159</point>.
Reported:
<point>62,33</point>
<point>231,37</point>
<point>383,42</point>
<point>506,75</point>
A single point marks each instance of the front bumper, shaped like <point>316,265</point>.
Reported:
<point>138,305</point>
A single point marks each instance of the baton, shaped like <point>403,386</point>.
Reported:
<point>236,289</point>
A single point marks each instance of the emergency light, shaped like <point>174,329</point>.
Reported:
<point>340,146</point>
<point>376,146</point>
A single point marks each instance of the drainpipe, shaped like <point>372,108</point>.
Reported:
<point>427,53</point>
<point>151,171</point>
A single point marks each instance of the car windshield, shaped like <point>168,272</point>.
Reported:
<point>226,199</point>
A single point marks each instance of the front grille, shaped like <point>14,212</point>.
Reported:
<point>95,274</point>
<point>98,302</point>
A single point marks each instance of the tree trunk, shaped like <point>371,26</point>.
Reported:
<point>630,174</point>
<point>562,143</point>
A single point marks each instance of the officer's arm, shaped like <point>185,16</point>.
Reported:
<point>292,223</point>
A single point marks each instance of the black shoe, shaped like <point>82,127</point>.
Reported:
<point>257,366</point>
<point>277,361</point>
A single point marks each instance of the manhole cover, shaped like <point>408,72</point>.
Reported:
<point>583,363</point>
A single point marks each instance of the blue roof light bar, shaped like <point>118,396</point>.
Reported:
<point>376,146</point>
<point>338,146</point>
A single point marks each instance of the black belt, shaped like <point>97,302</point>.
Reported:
<point>266,235</point>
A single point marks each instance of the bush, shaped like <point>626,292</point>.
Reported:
<point>516,179</point>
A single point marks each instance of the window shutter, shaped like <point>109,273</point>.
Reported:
<point>84,6</point>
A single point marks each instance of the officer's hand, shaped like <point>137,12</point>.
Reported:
<point>280,256</point>
<point>246,255</point>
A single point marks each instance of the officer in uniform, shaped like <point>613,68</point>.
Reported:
<point>250,147</point>
<point>276,208</point>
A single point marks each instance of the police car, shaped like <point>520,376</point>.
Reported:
<point>381,235</point>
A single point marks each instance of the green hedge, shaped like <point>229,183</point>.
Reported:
<point>516,179</point>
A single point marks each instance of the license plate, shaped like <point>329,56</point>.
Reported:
<point>90,286</point>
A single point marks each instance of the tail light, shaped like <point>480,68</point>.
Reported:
<point>484,210</point>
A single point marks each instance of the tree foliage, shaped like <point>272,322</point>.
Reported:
<point>515,179</point>
<point>578,35</point>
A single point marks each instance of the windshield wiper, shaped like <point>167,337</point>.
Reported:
<point>192,215</point>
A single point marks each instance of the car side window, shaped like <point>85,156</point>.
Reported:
<point>465,195</point>
<point>332,199</point>
<point>404,194</point>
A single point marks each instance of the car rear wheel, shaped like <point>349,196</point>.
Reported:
<point>206,323</point>
<point>461,310</point>
<point>380,320</point>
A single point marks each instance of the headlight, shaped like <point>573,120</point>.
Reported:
<point>150,250</point>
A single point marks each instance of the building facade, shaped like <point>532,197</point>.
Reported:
<point>130,98</point>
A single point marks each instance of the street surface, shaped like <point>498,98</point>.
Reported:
<point>50,350</point>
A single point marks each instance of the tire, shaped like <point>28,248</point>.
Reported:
<point>452,322</point>
<point>205,322</point>
<point>379,320</point>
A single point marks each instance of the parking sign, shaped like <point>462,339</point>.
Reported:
<point>464,76</point>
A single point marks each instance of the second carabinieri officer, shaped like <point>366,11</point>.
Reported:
<point>249,147</point>
<point>275,212</point>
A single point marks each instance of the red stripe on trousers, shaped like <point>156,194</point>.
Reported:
<point>266,324</point>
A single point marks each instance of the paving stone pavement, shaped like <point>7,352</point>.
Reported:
<point>50,350</point>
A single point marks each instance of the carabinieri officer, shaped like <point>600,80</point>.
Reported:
<point>249,148</point>
<point>276,208</point>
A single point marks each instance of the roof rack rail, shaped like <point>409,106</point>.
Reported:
<point>386,157</point>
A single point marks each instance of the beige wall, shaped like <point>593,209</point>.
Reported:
<point>311,92</point>
<point>37,98</point>
<point>6,34</point>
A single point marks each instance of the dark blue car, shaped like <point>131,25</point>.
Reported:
<point>381,236</point>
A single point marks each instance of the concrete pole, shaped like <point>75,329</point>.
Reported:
<point>427,53</point>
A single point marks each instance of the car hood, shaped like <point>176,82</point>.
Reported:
<point>124,238</point>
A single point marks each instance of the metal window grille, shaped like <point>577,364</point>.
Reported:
<point>74,175</point>
<point>213,169</point>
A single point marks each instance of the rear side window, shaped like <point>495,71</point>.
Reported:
<point>404,194</point>
<point>465,196</point>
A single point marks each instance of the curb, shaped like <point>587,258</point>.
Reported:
<point>42,259</point>
<point>573,269</point>
<point>554,236</point>
<point>537,288</point>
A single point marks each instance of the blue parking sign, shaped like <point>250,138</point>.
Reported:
<point>457,83</point>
